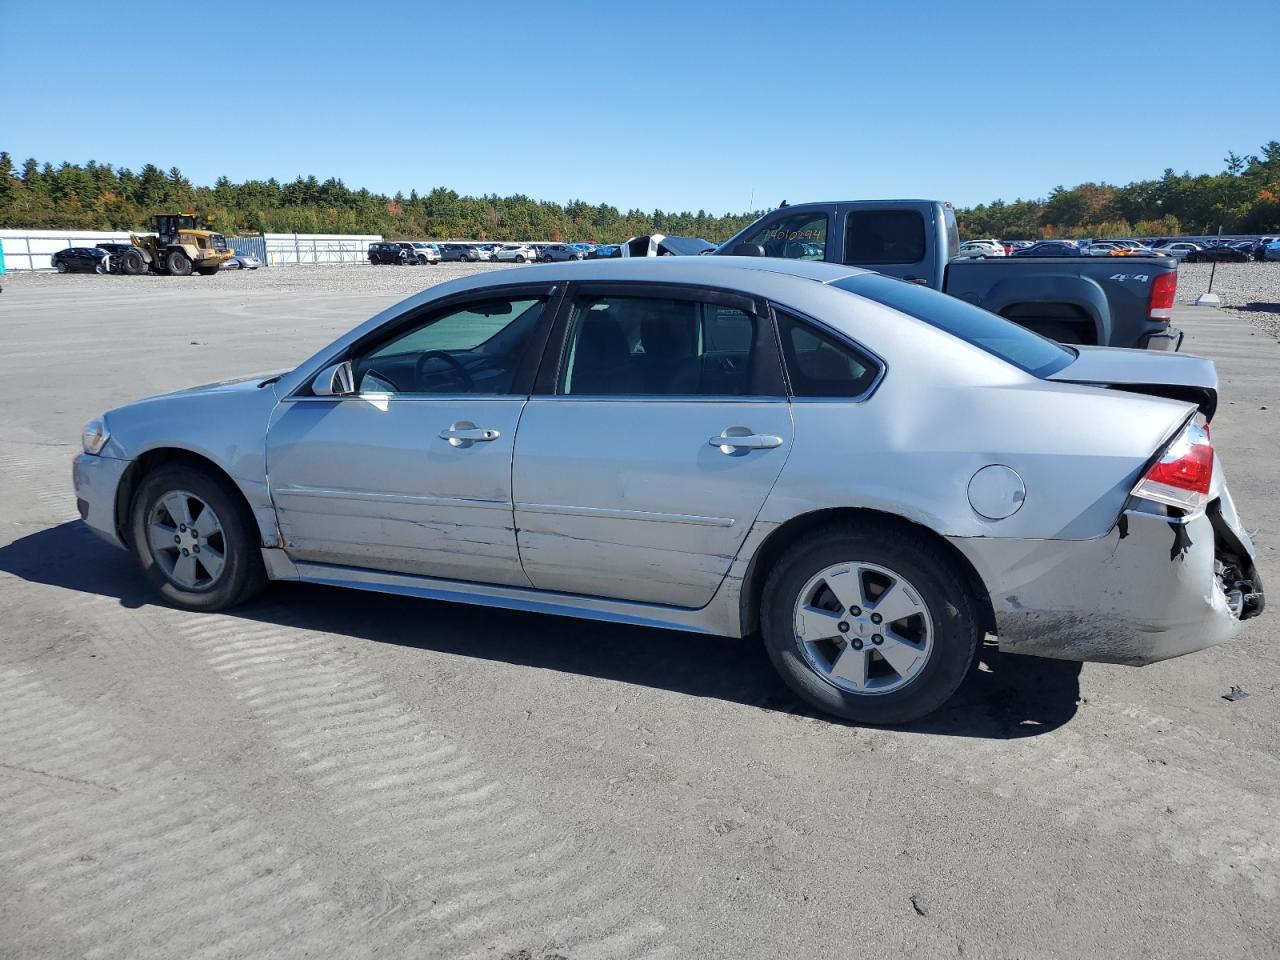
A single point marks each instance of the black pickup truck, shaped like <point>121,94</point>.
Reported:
<point>1103,301</point>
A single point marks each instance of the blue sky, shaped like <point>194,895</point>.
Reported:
<point>689,105</point>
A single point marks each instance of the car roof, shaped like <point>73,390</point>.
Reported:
<point>748,274</point>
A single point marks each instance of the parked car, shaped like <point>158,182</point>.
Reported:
<point>1070,518</point>
<point>515,253</point>
<point>242,261</point>
<point>553,252</point>
<point>425,253</point>
<point>1272,250</point>
<point>1050,248</point>
<point>605,251</point>
<point>1082,300</point>
<point>78,260</point>
<point>1179,248</point>
<point>970,248</point>
<point>393,252</point>
<point>1219,254</point>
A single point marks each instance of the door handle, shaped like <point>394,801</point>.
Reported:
<point>464,433</point>
<point>732,441</point>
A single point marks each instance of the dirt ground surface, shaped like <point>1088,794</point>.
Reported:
<point>334,774</point>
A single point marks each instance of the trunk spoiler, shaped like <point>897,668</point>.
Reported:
<point>1177,376</point>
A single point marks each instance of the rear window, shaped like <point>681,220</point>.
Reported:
<point>883,236</point>
<point>1017,345</point>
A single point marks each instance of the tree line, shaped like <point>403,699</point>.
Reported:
<point>1243,198</point>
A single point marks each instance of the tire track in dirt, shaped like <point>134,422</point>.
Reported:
<point>133,858</point>
<point>493,873</point>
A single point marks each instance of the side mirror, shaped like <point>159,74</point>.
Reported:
<point>335,381</point>
<point>748,250</point>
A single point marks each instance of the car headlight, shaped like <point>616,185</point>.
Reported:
<point>95,436</point>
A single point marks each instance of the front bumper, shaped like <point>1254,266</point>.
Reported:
<point>97,481</point>
<point>1155,587</point>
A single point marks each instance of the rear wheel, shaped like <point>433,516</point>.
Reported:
<point>194,539</point>
<point>1061,332</point>
<point>178,263</point>
<point>520,258</point>
<point>870,622</point>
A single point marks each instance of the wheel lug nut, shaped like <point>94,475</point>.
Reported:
<point>182,527</point>
<point>195,549</point>
<point>185,551</point>
<point>176,538</point>
<point>855,611</point>
<point>857,644</point>
<point>875,637</point>
<point>843,627</point>
<point>876,618</point>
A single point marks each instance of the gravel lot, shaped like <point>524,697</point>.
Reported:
<point>1250,290</point>
<point>333,774</point>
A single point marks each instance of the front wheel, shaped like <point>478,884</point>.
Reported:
<point>60,267</point>
<point>178,263</point>
<point>871,622</point>
<point>195,540</point>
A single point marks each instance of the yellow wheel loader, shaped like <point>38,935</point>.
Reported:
<point>177,245</point>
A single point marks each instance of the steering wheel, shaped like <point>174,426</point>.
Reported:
<point>451,360</point>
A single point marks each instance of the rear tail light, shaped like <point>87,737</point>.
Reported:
<point>1162,292</point>
<point>1182,474</point>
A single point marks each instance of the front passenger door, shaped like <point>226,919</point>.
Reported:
<point>411,473</point>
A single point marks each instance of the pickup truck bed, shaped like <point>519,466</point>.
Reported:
<point>1098,301</point>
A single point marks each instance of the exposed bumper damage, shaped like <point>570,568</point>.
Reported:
<point>1155,587</point>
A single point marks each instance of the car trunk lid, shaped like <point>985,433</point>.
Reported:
<point>1177,376</point>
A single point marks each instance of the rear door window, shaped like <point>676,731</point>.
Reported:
<point>884,237</point>
<point>822,365</point>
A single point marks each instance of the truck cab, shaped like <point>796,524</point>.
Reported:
<point>1071,299</point>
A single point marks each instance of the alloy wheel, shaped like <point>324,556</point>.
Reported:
<point>187,540</point>
<point>863,628</point>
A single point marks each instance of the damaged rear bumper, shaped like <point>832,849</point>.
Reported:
<point>1157,586</point>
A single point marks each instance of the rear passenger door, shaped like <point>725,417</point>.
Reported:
<point>659,425</point>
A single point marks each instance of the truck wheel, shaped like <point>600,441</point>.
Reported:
<point>132,263</point>
<point>195,539</point>
<point>178,263</point>
<point>870,621</point>
<point>207,271</point>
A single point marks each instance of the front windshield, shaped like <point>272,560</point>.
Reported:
<point>1017,345</point>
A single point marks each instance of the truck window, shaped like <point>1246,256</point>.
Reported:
<point>883,236</point>
<point>799,237</point>
<point>1017,345</point>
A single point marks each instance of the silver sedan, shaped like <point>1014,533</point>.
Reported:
<point>868,474</point>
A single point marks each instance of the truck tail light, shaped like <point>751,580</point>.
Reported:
<point>1163,289</point>
<point>1183,472</point>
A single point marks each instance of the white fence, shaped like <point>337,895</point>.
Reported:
<point>31,249</point>
<point>318,248</point>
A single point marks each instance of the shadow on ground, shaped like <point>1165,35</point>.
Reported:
<point>1259,306</point>
<point>1004,697</point>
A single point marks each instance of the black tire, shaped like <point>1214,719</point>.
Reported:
<point>132,263</point>
<point>242,574</point>
<point>177,263</point>
<point>208,271</point>
<point>520,258</point>
<point>926,565</point>
<point>60,266</point>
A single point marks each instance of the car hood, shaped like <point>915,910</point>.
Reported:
<point>237,385</point>
<point>1175,375</point>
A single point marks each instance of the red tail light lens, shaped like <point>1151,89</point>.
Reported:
<point>1162,293</point>
<point>1181,477</point>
